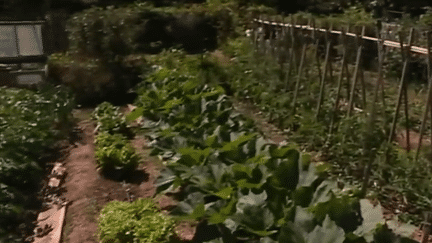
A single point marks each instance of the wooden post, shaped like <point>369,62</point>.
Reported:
<point>363,84</point>
<point>402,86</point>
<point>317,42</point>
<point>341,76</point>
<point>325,68</point>
<point>299,76</point>
<point>368,150</point>
<point>426,226</point>
<point>291,60</point>
<point>356,70</point>
<point>428,99</point>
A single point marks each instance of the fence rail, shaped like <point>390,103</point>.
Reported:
<point>389,43</point>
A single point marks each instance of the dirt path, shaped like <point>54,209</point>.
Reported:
<point>269,130</point>
<point>87,192</point>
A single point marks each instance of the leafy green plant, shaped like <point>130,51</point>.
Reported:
<point>114,153</point>
<point>31,122</point>
<point>109,119</point>
<point>228,175</point>
<point>138,221</point>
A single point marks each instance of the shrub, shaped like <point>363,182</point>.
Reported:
<point>115,154</point>
<point>87,77</point>
<point>133,222</point>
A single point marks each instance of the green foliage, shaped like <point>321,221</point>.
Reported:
<point>114,153</point>
<point>256,77</point>
<point>227,173</point>
<point>30,124</point>
<point>138,221</point>
<point>114,32</point>
<point>87,76</point>
<point>426,18</point>
<point>109,119</point>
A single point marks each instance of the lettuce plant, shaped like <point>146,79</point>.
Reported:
<point>109,119</point>
<point>114,153</point>
<point>138,222</point>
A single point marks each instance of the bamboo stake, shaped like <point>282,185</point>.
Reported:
<point>363,84</point>
<point>406,102</point>
<point>428,99</point>
<point>299,77</point>
<point>356,70</point>
<point>322,84</point>
<point>401,89</point>
<point>291,60</point>
<point>341,76</point>
<point>317,42</point>
<point>369,155</point>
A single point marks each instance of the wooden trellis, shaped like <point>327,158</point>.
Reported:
<point>295,67</point>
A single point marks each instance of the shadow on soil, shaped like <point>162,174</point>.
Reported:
<point>136,177</point>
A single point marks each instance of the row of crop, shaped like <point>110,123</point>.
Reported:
<point>258,79</point>
<point>137,221</point>
<point>116,157</point>
<point>30,124</point>
<point>227,175</point>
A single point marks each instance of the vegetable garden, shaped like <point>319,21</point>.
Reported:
<point>224,173</point>
<point>228,175</point>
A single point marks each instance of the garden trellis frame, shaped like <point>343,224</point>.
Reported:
<point>21,42</point>
<point>293,29</point>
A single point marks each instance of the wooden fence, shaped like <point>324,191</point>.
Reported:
<point>269,36</point>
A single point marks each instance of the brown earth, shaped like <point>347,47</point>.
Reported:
<point>414,140</point>
<point>87,191</point>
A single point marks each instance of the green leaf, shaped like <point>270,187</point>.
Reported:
<point>304,220</point>
<point>286,174</point>
<point>223,214</point>
<point>218,172</point>
<point>236,142</point>
<point>189,205</point>
<point>212,141</point>
<point>308,177</point>
<point>303,196</point>
<point>267,240</point>
<point>224,193</point>
<point>256,219</point>
<point>404,230</point>
<point>198,212</point>
<point>243,183</point>
<point>291,233</point>
<point>240,169</point>
<point>135,114</point>
<point>191,156</point>
<point>284,152</point>
<point>328,233</point>
<point>372,217</point>
<point>165,180</point>
<point>322,193</point>
<point>251,200</point>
